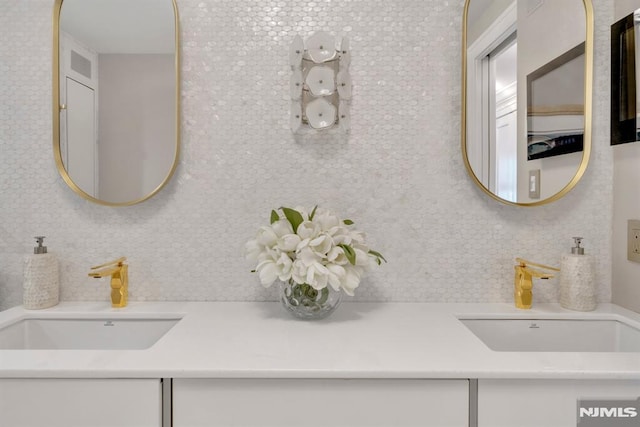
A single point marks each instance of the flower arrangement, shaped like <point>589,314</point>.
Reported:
<point>316,250</point>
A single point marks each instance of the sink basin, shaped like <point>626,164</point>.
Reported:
<point>33,333</point>
<point>556,335</point>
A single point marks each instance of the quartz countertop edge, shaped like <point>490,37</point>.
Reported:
<point>359,340</point>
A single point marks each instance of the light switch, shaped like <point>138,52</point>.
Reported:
<point>534,184</point>
<point>633,240</point>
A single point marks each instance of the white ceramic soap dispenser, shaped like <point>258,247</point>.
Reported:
<point>577,279</point>
<point>41,288</point>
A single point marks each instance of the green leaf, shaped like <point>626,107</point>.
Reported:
<point>274,216</point>
<point>349,253</point>
<point>378,256</point>
<point>294,217</point>
<point>313,213</point>
<point>348,222</point>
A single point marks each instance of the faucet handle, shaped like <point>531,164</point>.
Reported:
<point>525,263</point>
<point>118,262</point>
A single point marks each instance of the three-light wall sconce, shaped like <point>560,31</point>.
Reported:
<point>320,83</point>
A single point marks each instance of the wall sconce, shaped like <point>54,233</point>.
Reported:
<point>320,83</point>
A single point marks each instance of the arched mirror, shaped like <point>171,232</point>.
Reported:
<point>526,103</point>
<point>116,97</point>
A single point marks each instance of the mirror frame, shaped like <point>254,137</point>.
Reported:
<point>56,112</point>
<point>588,108</point>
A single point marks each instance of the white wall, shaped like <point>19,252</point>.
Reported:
<point>549,31</point>
<point>626,274</point>
<point>399,175</point>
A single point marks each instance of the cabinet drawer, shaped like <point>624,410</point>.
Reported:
<point>548,403</point>
<point>321,403</point>
<point>80,402</point>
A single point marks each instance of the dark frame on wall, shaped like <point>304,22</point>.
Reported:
<point>624,126</point>
<point>555,128</point>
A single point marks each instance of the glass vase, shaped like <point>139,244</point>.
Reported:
<point>305,302</point>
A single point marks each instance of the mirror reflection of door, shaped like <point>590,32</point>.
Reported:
<point>78,116</point>
<point>492,96</point>
<point>503,80</point>
<point>117,81</point>
<point>80,127</point>
<point>516,53</point>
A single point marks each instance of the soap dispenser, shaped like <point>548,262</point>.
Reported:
<point>41,287</point>
<point>577,279</point>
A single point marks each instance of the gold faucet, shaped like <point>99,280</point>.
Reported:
<point>118,271</point>
<point>524,281</point>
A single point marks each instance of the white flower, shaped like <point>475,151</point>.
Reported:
<point>267,271</point>
<point>326,220</point>
<point>362,256</point>
<point>321,245</point>
<point>308,230</point>
<point>351,279</point>
<point>317,276</point>
<point>308,268</point>
<point>336,275</point>
<point>274,268</point>
<point>266,237</point>
<point>341,235</point>
<point>357,236</point>
<point>288,242</point>
<point>283,267</point>
<point>253,250</point>
<point>337,256</point>
<point>322,251</point>
<point>282,227</point>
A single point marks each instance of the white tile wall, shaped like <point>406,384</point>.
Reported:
<point>399,174</point>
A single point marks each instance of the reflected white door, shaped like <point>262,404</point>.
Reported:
<point>80,156</point>
<point>503,110</point>
<point>506,167</point>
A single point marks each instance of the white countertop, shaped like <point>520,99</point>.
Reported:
<point>359,340</point>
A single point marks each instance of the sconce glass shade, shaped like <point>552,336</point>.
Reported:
<point>321,81</point>
<point>295,120</point>
<point>345,53</point>
<point>296,51</point>
<point>344,84</point>
<point>344,116</point>
<point>320,85</point>
<point>321,114</point>
<point>321,47</point>
<point>296,85</point>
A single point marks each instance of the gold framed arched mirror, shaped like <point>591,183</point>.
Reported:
<point>116,127</point>
<point>527,78</point>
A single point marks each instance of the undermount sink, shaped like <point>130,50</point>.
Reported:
<point>34,333</point>
<point>556,335</point>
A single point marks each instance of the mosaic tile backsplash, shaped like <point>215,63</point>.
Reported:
<point>399,174</point>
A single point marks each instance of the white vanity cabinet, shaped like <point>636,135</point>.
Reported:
<point>548,403</point>
<point>80,402</point>
<point>320,402</point>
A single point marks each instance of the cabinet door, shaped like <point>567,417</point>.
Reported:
<point>321,403</point>
<point>80,402</point>
<point>548,403</point>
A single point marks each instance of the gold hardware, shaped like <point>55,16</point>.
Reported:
<point>524,281</point>
<point>119,272</point>
<point>56,111</point>
<point>588,108</point>
<point>63,107</point>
